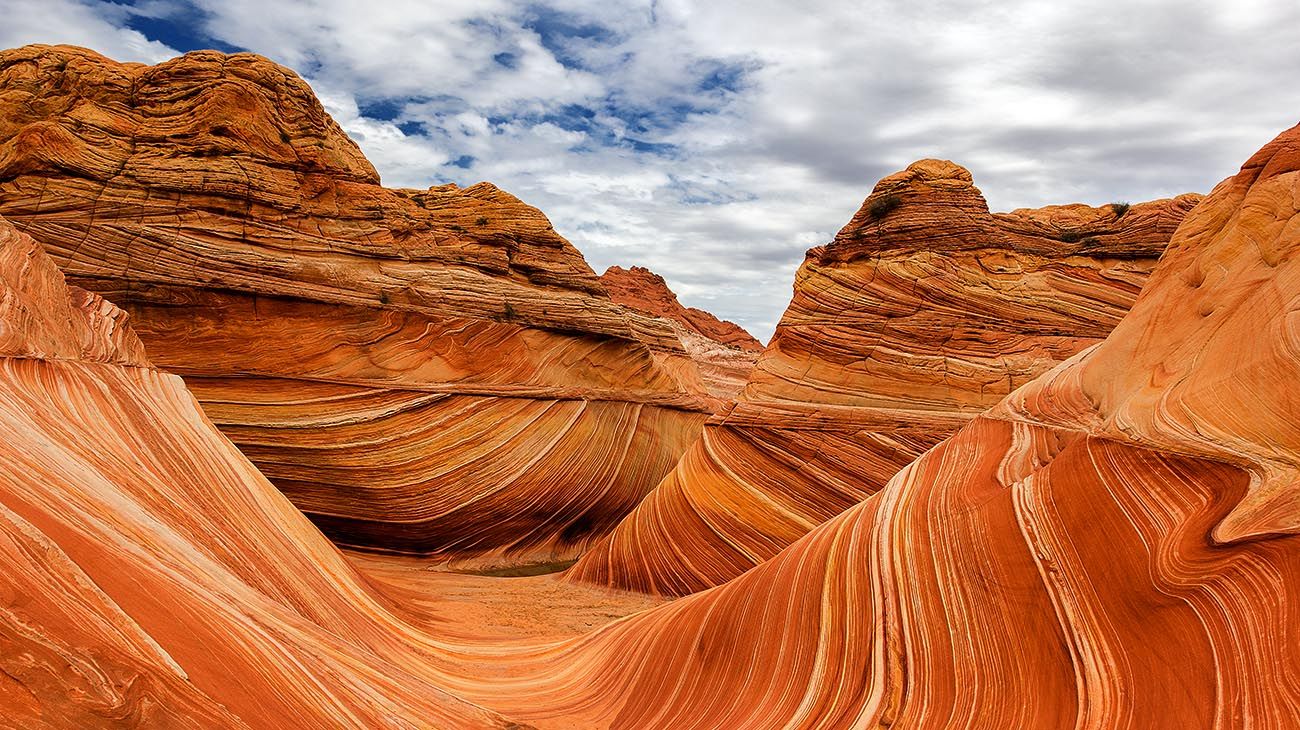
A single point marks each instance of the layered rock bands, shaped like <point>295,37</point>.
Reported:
<point>724,352</point>
<point>1112,545</point>
<point>925,310</point>
<point>431,371</point>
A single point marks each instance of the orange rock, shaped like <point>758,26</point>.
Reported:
<point>723,351</point>
<point>152,577</point>
<point>42,317</point>
<point>1111,546</point>
<point>646,291</point>
<point>1107,547</point>
<point>925,310</point>
<point>420,370</point>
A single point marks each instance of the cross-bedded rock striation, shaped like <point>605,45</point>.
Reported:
<point>925,310</point>
<point>1112,545</point>
<point>432,371</point>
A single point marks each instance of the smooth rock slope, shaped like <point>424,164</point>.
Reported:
<point>925,310</point>
<point>432,371</point>
<point>152,578</point>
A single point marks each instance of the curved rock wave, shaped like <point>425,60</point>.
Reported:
<point>1113,545</point>
<point>925,310</point>
<point>215,201</point>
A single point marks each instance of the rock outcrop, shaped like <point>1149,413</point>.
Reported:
<point>432,371</point>
<point>1113,545</point>
<point>645,291</point>
<point>724,352</point>
<point>925,310</point>
<point>152,578</point>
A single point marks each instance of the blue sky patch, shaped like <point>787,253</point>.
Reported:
<point>720,76</point>
<point>181,28</point>
<point>411,129</point>
<point>566,35</point>
<point>386,110</point>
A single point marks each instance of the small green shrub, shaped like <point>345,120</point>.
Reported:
<point>881,206</point>
<point>1070,236</point>
<point>481,221</point>
<point>1120,209</point>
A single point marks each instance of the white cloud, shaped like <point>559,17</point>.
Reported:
<point>777,117</point>
<point>98,26</point>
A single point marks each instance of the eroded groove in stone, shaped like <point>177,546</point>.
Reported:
<point>1112,545</point>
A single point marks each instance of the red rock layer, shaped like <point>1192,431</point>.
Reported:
<point>1114,545</point>
<point>152,577</point>
<point>723,351</point>
<point>924,310</point>
<point>645,291</point>
<point>42,317</point>
<point>421,370</point>
<point>1109,547</point>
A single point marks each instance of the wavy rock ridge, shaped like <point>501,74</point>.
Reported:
<point>1108,547</point>
<point>724,352</point>
<point>925,310</point>
<point>1111,546</point>
<point>420,370</point>
<point>153,578</point>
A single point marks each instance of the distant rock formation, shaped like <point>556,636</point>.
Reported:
<point>925,310</point>
<point>646,291</point>
<point>724,352</point>
<point>419,370</point>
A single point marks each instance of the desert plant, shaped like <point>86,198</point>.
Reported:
<point>1120,209</point>
<point>1070,236</point>
<point>880,206</point>
<point>481,221</point>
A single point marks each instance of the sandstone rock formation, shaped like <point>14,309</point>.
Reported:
<point>646,291</point>
<point>724,352</point>
<point>152,578</point>
<point>1113,545</point>
<point>419,370</point>
<point>925,310</point>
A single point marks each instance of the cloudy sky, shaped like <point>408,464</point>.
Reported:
<point>714,141</point>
